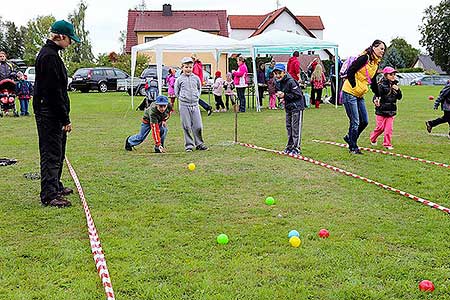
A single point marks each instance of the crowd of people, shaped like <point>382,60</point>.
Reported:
<point>51,104</point>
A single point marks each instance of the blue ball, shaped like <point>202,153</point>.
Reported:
<point>293,233</point>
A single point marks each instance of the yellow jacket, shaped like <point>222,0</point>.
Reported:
<point>362,83</point>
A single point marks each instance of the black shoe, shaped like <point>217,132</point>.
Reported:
<point>127,145</point>
<point>209,111</point>
<point>202,147</point>
<point>295,151</point>
<point>357,151</point>
<point>58,202</point>
<point>429,127</point>
<point>346,139</point>
<point>157,150</point>
<point>66,191</point>
<point>287,151</point>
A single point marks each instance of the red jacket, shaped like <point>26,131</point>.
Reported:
<point>293,68</point>
<point>197,69</point>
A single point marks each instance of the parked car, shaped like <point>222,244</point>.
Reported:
<point>430,80</point>
<point>30,74</point>
<point>139,83</point>
<point>100,78</point>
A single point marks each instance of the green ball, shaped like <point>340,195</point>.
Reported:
<point>222,239</point>
<point>270,201</point>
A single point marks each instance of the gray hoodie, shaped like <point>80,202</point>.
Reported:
<point>188,89</point>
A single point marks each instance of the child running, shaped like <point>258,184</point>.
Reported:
<point>386,107</point>
<point>444,101</point>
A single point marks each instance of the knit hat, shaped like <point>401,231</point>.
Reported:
<point>218,74</point>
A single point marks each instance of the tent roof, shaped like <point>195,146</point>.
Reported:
<point>282,42</point>
<point>189,40</point>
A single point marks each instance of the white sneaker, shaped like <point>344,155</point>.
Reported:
<point>389,148</point>
<point>373,143</point>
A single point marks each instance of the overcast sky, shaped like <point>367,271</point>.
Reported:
<point>363,22</point>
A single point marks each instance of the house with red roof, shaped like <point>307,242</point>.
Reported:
<point>245,26</point>
<point>146,25</point>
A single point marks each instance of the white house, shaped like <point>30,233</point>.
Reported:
<point>245,26</point>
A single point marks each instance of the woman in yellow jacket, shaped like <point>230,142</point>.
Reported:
<point>361,73</point>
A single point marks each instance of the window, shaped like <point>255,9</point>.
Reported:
<point>207,68</point>
<point>110,73</point>
<point>121,74</point>
<point>151,38</point>
<point>311,52</point>
<point>97,72</point>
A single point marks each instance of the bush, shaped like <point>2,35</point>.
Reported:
<point>410,70</point>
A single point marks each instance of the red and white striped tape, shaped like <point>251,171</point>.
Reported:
<point>336,169</point>
<point>387,153</point>
<point>96,246</point>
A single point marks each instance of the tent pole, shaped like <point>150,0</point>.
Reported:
<point>255,79</point>
<point>336,72</point>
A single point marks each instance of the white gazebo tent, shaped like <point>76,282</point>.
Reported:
<point>187,40</point>
<point>283,42</point>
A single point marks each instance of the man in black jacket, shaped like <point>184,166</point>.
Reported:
<point>294,104</point>
<point>51,107</point>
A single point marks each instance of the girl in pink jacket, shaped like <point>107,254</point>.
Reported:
<point>240,81</point>
<point>170,80</point>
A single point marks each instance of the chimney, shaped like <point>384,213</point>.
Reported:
<point>167,10</point>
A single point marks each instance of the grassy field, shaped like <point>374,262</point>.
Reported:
<point>158,221</point>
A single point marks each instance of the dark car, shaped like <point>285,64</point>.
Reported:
<point>151,73</point>
<point>431,80</point>
<point>100,78</point>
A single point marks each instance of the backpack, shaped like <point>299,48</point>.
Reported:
<point>343,73</point>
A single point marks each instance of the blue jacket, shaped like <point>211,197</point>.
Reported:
<point>443,99</point>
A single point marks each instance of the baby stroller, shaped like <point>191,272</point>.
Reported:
<point>151,92</point>
<point>7,97</point>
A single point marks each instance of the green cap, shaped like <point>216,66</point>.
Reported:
<point>66,28</point>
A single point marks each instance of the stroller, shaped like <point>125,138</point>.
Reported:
<point>151,92</point>
<point>7,97</point>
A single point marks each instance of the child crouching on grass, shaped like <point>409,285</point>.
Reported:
<point>154,120</point>
<point>386,107</point>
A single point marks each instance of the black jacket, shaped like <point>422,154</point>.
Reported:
<point>50,86</point>
<point>293,96</point>
<point>388,98</point>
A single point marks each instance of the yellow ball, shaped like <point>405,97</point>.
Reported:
<point>191,166</point>
<point>295,241</point>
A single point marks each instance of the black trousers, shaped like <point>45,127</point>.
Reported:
<point>52,149</point>
<point>241,96</point>
<point>444,119</point>
<point>316,95</point>
<point>228,99</point>
<point>205,105</point>
<point>219,102</point>
<point>261,90</point>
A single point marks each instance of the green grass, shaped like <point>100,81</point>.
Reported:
<point>158,221</point>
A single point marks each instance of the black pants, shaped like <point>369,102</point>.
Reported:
<point>316,95</point>
<point>335,90</point>
<point>52,149</point>
<point>205,105</point>
<point>444,119</point>
<point>219,102</point>
<point>229,98</point>
<point>241,95</point>
<point>261,90</point>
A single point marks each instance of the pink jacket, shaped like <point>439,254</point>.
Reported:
<point>171,84</point>
<point>240,76</point>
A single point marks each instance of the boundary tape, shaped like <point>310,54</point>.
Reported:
<point>387,153</point>
<point>96,246</point>
<point>342,171</point>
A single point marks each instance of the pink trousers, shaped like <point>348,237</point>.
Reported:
<point>273,101</point>
<point>386,125</point>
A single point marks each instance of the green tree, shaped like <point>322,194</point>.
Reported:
<point>407,52</point>
<point>392,58</point>
<point>436,33</point>
<point>79,52</point>
<point>36,34</point>
<point>13,42</point>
